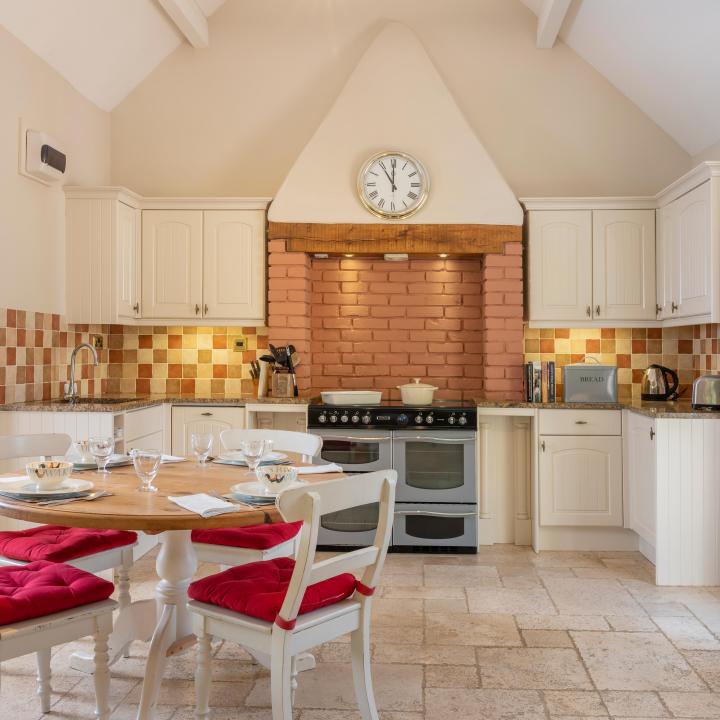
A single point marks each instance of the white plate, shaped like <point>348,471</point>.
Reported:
<point>26,487</point>
<point>255,489</point>
<point>116,460</point>
<point>237,458</point>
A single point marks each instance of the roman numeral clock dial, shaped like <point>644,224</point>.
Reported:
<point>393,185</point>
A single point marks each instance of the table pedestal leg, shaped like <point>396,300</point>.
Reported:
<point>176,565</point>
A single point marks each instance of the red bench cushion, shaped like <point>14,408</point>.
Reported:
<point>60,544</point>
<point>258,589</point>
<point>255,537</point>
<point>43,588</point>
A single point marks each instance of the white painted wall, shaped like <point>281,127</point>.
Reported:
<point>232,119</point>
<point>32,215</point>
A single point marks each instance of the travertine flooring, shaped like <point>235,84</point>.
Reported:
<point>505,634</point>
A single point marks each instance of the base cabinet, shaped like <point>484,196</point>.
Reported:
<point>581,480</point>
<point>203,419</point>
<point>641,480</point>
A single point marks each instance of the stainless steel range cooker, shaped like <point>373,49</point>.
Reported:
<point>433,450</point>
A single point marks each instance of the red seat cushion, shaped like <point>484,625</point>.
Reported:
<point>258,589</point>
<point>60,544</point>
<point>43,588</point>
<point>255,537</point>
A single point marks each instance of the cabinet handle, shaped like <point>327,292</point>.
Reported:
<point>542,446</point>
<point>206,414</point>
<point>652,434</point>
<point>581,422</point>
<point>136,308</point>
<point>597,310</point>
<point>588,311</point>
<point>205,309</point>
<point>673,306</point>
<point>658,309</point>
<point>197,309</point>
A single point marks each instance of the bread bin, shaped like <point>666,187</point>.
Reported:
<point>706,393</point>
<point>585,382</point>
<point>417,393</point>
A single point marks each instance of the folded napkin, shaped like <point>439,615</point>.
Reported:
<point>204,505</point>
<point>317,469</point>
<point>172,459</point>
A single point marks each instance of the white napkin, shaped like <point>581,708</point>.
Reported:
<point>317,469</point>
<point>204,505</point>
<point>172,459</point>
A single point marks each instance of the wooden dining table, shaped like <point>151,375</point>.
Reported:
<point>164,621</point>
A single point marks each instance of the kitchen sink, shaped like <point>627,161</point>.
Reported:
<point>101,400</point>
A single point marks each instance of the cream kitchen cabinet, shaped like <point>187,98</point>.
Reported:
<point>641,480</point>
<point>187,420</point>
<point>102,245</point>
<point>591,266</point>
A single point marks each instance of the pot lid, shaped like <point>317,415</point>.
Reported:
<point>417,384</point>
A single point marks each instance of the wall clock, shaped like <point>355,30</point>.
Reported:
<point>393,184</point>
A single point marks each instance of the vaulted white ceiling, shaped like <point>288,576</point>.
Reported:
<point>662,54</point>
<point>103,48</point>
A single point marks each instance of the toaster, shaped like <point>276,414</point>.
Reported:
<point>706,392</point>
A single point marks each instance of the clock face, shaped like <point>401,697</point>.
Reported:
<point>393,185</point>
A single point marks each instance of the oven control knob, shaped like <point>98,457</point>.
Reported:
<point>322,418</point>
<point>403,419</point>
<point>462,420</point>
<point>429,419</point>
<point>451,420</point>
<point>344,418</point>
<point>355,418</point>
<point>333,418</point>
<point>418,419</point>
<point>366,419</point>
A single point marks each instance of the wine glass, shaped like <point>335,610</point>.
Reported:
<point>102,448</point>
<point>147,464</point>
<point>254,451</point>
<point>201,444</point>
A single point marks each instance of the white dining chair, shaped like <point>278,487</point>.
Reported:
<point>85,548</point>
<point>282,607</point>
<point>237,546</point>
<point>44,604</point>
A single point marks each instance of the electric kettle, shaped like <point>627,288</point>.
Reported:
<point>659,383</point>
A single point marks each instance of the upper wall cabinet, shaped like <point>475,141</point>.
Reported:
<point>591,267</point>
<point>135,260</point>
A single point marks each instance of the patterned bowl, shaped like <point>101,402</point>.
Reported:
<point>48,475</point>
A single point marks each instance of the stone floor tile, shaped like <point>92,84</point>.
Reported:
<point>79,702</point>
<point>692,705</point>
<point>398,634</point>
<point>562,622</point>
<point>525,569</point>
<point>467,704</point>
<point>459,575</point>
<point>687,633</point>
<point>129,711</point>
<point>452,676</point>
<point>531,601</point>
<point>547,638</point>
<point>424,593</point>
<point>625,572</point>
<point>330,686</point>
<point>707,665</point>
<point>623,623</point>
<point>496,630</point>
<point>400,613</point>
<point>412,579</point>
<point>580,703</point>
<point>182,692</point>
<point>323,715</point>
<point>665,609</point>
<point>333,652</point>
<point>635,661</point>
<point>633,704</point>
<point>649,592</point>
<point>564,559</point>
<point>424,654</point>
<point>549,572</point>
<point>532,669</point>
<point>576,596</point>
<point>446,605</point>
<point>707,613</point>
<point>18,698</point>
<point>521,582</point>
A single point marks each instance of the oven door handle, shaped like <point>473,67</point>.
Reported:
<point>426,438</point>
<point>433,513</point>
<point>363,439</point>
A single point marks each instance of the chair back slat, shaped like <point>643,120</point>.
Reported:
<point>309,503</point>
<point>287,440</point>
<point>40,445</point>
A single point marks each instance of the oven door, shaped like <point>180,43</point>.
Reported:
<point>435,466</point>
<point>354,527</point>
<point>356,450</point>
<point>417,524</point>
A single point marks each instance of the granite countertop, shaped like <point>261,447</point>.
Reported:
<point>123,403</point>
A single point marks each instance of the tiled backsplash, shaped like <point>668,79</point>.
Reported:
<point>35,352</point>
<point>188,360</point>
<point>691,351</point>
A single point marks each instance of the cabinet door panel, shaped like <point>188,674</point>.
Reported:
<point>560,250</point>
<point>128,259</point>
<point>208,419</point>
<point>233,268</point>
<point>581,481</point>
<point>693,252</point>
<point>624,264</point>
<point>172,263</point>
<point>665,254</point>
<point>641,484</point>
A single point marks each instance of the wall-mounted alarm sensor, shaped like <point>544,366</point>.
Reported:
<point>44,159</point>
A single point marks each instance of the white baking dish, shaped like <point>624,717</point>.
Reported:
<point>351,397</point>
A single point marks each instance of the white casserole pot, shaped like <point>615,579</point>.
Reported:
<point>417,393</point>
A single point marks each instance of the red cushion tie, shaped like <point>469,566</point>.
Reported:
<point>284,624</point>
<point>364,589</point>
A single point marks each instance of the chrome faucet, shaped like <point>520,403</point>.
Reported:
<point>70,386</point>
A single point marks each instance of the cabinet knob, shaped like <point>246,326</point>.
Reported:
<point>652,434</point>
<point>673,306</point>
<point>581,422</point>
<point>542,446</point>
<point>597,310</point>
<point>197,309</point>
<point>206,414</point>
<point>658,309</point>
<point>136,308</point>
<point>205,309</point>
<point>588,311</point>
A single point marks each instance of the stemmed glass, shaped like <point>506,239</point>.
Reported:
<point>201,444</point>
<point>101,449</point>
<point>147,464</point>
<point>254,451</point>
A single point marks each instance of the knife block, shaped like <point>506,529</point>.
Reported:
<point>282,385</point>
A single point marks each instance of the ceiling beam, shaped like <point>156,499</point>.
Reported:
<point>190,20</point>
<point>550,20</point>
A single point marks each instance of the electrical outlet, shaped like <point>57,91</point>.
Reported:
<point>239,344</point>
<point>97,342</point>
